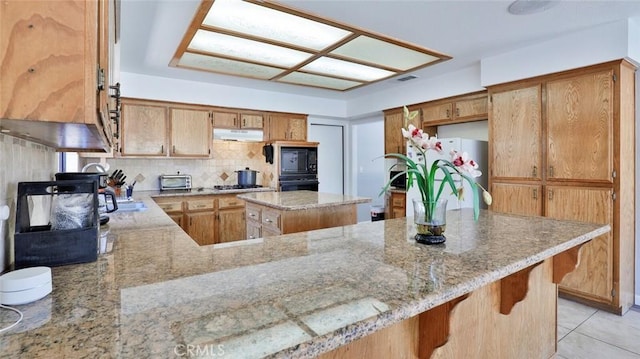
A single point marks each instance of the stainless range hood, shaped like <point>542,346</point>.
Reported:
<point>237,135</point>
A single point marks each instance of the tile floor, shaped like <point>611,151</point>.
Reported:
<point>585,333</point>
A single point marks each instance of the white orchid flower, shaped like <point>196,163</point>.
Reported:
<point>464,163</point>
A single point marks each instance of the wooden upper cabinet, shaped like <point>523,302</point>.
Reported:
<point>144,130</point>
<point>285,127</point>
<point>594,274</point>
<point>580,127</point>
<point>465,108</point>
<point>255,121</point>
<point>437,112</point>
<point>471,108</point>
<point>515,125</point>
<point>393,140</point>
<point>225,120</point>
<point>51,54</point>
<point>238,120</point>
<point>190,132</point>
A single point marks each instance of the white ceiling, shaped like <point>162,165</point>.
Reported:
<point>467,30</point>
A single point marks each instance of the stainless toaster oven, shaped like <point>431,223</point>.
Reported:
<point>175,182</point>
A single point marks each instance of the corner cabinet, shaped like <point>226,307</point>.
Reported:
<point>559,147</point>
<point>158,129</point>
<point>54,73</point>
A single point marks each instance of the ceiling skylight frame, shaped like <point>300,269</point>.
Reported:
<point>346,46</point>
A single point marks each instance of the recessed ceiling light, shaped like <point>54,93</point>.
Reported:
<point>270,41</point>
<point>526,7</point>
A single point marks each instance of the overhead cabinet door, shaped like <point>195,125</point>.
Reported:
<point>515,130</point>
<point>190,133</point>
<point>144,130</point>
<point>580,127</point>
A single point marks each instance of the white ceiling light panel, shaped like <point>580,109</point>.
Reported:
<point>220,65</point>
<point>384,53</point>
<point>339,68</point>
<point>261,21</point>
<point>301,78</point>
<point>240,48</point>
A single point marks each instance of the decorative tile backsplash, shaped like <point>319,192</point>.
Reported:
<point>227,157</point>
<point>20,161</point>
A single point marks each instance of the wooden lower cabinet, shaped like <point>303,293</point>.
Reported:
<point>398,202</point>
<point>207,219</point>
<point>201,227</point>
<point>267,221</point>
<point>231,225</point>
<point>524,199</point>
<point>594,276</point>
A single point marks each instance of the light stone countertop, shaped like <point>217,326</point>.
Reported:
<point>297,200</point>
<point>156,293</point>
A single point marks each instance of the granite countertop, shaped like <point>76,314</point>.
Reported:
<point>154,291</point>
<point>297,200</point>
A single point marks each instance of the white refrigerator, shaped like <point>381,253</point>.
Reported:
<point>477,150</point>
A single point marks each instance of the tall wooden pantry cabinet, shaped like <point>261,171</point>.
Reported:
<point>562,146</point>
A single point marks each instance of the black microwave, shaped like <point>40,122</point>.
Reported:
<point>298,160</point>
<point>400,182</point>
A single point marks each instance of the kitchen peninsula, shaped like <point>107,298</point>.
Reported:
<point>366,288</point>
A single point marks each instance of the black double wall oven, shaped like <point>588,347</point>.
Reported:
<point>298,169</point>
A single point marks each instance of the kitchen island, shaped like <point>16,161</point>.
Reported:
<point>365,289</point>
<point>275,213</point>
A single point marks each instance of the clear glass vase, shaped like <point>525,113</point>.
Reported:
<point>430,218</point>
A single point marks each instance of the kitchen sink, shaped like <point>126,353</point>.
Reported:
<point>131,206</point>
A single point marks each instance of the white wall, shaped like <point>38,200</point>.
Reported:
<point>368,165</point>
<point>168,89</point>
<point>582,48</point>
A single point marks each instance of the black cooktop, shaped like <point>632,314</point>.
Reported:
<point>236,186</point>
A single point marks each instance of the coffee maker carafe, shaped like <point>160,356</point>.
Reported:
<point>106,198</point>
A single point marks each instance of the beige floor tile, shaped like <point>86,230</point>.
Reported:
<point>562,332</point>
<point>572,314</point>
<point>623,332</point>
<point>579,346</point>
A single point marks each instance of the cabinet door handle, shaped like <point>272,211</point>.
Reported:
<point>268,220</point>
<point>550,171</point>
<point>252,214</point>
<point>191,221</point>
<point>252,237</point>
<point>162,149</point>
<point>535,171</point>
<point>535,193</point>
<point>550,195</point>
<point>244,122</point>
<point>174,149</point>
<point>235,122</point>
<point>448,115</point>
<point>457,112</point>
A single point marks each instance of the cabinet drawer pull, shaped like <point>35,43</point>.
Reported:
<point>268,220</point>
<point>252,237</point>
<point>252,214</point>
<point>232,203</point>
